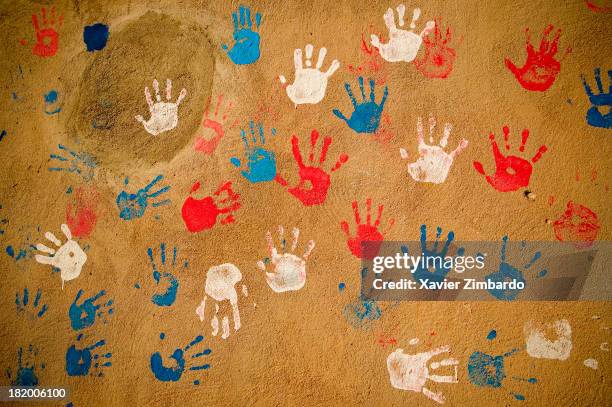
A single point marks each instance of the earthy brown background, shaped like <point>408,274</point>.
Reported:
<point>295,347</point>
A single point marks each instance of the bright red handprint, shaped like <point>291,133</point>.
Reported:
<point>578,225</point>
<point>366,242</point>
<point>82,214</point>
<point>201,214</point>
<point>511,172</point>
<point>47,37</point>
<point>541,68</point>
<point>214,123</point>
<point>314,181</point>
<point>439,58</point>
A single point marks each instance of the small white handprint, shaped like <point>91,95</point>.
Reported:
<point>69,258</point>
<point>410,372</point>
<point>403,45</point>
<point>289,270</point>
<point>164,115</point>
<point>221,286</point>
<point>433,163</point>
<point>540,347</point>
<point>309,84</point>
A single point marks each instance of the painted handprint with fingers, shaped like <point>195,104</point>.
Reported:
<point>600,102</point>
<point>288,270</point>
<point>84,315</point>
<point>220,286</point>
<point>201,214</point>
<point>366,114</point>
<point>88,360</point>
<point>186,358</point>
<point>133,206</point>
<point>69,258</point>
<point>165,275</point>
<point>433,163</point>
<point>366,242</point>
<point>314,181</point>
<point>47,37</point>
<point>34,309</point>
<point>70,161</point>
<point>310,83</point>
<point>511,172</point>
<point>541,68</point>
<point>215,123</point>
<point>411,372</point>
<point>439,57</point>
<point>245,49</point>
<point>164,115</point>
<point>403,45</point>
<point>260,162</point>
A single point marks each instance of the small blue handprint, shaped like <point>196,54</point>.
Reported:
<point>26,373</point>
<point>133,206</point>
<point>366,116</point>
<point>36,308</point>
<point>246,38</point>
<point>81,163</point>
<point>261,163</point>
<point>79,362</point>
<point>84,315</point>
<point>175,371</point>
<point>163,276</point>
<point>600,102</point>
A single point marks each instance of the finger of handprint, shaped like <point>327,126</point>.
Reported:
<point>242,13</point>
<point>235,314</point>
<point>43,13</point>
<point>158,192</point>
<point>151,260</point>
<point>345,228</point>
<point>51,237</point>
<point>389,226</point>
<point>539,154</point>
<point>258,19</point>
<point>309,248</point>
<point>297,60</point>
<point>252,127</point>
<point>378,215</point>
<point>462,146</point>
<point>372,87</point>
<point>309,48</point>
<point>420,130</point>
<point>432,126</point>
<point>350,93</point>
<point>271,249</point>
<point>339,114</point>
<point>544,43</point>
<point>384,99</point>
<point>66,231</point>
<point>368,211</point>
<point>235,19</point>
<point>423,238</point>
<point>156,90</point>
<point>296,235</point>
<point>389,20</point>
<point>35,23</point>
<point>401,10</point>
<point>162,248</point>
<point>45,249</point>
<point>168,89</point>
<point>200,311</point>
<point>140,119</point>
<point>295,147</point>
<point>261,134</point>
<point>430,25</point>
<point>214,322</point>
<point>416,14</point>
<point>449,240</point>
<point>321,57</point>
<point>247,17</point>
<point>281,237</point>
<point>356,213</point>
<point>261,265</point>
<point>52,21</point>
<point>332,68</point>
<point>181,97</point>
<point>554,46</point>
<point>403,153</point>
<point>448,128</point>
<point>226,329</point>
<point>326,143</point>
<point>44,259</point>
<point>445,362</point>
<point>101,342</point>
<point>437,397</point>
<point>598,79</point>
<point>360,80</point>
<point>438,234</point>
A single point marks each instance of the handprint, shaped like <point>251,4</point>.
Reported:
<point>221,286</point>
<point>261,163</point>
<point>183,358</point>
<point>35,309</point>
<point>82,214</point>
<point>540,347</point>
<point>84,315</point>
<point>164,115</point>
<point>81,163</point>
<point>309,84</point>
<point>47,38</point>
<point>411,372</point>
<point>133,206</point>
<point>541,68</point>
<point>26,372</point>
<point>314,178</point>
<point>578,224</point>
<point>164,275</point>
<point>439,58</point>
<point>79,362</point>
<point>69,258</point>
<point>289,270</point>
<point>246,38</point>
<point>201,214</point>
<point>403,45</point>
<point>433,163</point>
<point>215,123</point>
<point>367,240</point>
<point>511,172</point>
<point>594,116</point>
<point>366,115</point>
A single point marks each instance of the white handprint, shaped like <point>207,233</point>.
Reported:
<point>433,163</point>
<point>403,45</point>
<point>221,286</point>
<point>540,347</point>
<point>310,83</point>
<point>289,270</point>
<point>410,372</point>
<point>69,258</point>
<point>164,115</point>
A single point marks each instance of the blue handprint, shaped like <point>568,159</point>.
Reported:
<point>261,163</point>
<point>174,372</point>
<point>163,277</point>
<point>508,273</point>
<point>594,116</point>
<point>133,206</point>
<point>246,38</point>
<point>84,315</point>
<point>37,309</point>
<point>366,115</point>
<point>26,371</point>
<point>81,163</point>
<point>80,361</point>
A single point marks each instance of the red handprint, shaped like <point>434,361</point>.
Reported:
<point>578,225</point>
<point>438,60</point>
<point>317,179</point>
<point>81,215</point>
<point>366,243</point>
<point>541,68</point>
<point>201,214</point>
<point>511,172</point>
<point>372,66</point>
<point>209,145</point>
<point>47,38</point>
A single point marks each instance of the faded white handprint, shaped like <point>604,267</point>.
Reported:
<point>539,345</point>
<point>403,45</point>
<point>410,372</point>
<point>164,115</point>
<point>221,286</point>
<point>69,258</point>
<point>309,84</point>
<point>288,270</point>
<point>433,163</point>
